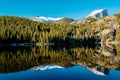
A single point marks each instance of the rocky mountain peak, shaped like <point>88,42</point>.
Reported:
<point>98,13</point>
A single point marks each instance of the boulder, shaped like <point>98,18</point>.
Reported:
<point>108,35</point>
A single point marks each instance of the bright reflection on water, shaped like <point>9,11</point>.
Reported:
<point>72,73</point>
<point>63,63</point>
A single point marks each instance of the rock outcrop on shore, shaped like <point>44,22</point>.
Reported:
<point>108,35</point>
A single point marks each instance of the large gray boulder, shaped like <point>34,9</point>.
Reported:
<point>108,35</point>
<point>108,50</point>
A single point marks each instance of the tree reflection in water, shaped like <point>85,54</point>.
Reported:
<point>14,59</point>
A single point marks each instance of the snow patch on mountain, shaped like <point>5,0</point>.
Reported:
<point>46,67</point>
<point>44,19</point>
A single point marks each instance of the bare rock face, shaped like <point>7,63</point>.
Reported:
<point>108,35</point>
<point>108,50</point>
<point>110,21</point>
<point>98,13</point>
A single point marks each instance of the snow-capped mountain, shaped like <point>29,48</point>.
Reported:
<point>98,13</point>
<point>44,19</point>
<point>46,67</point>
<point>99,71</point>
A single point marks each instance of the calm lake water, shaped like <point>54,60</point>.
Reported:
<point>60,63</point>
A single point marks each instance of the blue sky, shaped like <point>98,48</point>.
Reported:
<point>75,9</point>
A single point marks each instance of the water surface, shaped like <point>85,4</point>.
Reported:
<point>60,63</point>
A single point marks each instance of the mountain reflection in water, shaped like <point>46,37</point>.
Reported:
<point>99,60</point>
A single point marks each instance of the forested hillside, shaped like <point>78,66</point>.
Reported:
<point>15,29</point>
<point>23,30</point>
